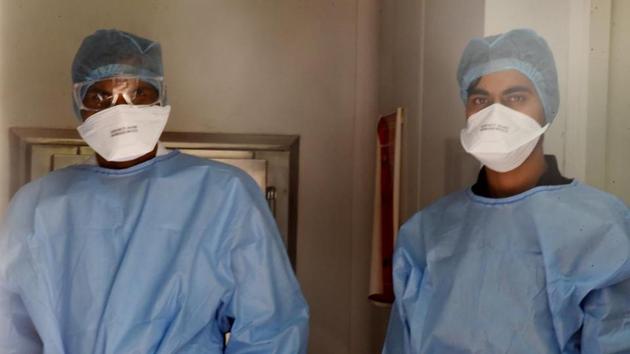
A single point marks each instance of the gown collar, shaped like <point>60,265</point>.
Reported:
<point>551,177</point>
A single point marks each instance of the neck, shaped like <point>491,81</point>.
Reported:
<point>520,179</point>
<point>119,165</point>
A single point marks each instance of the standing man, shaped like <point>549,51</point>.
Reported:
<point>142,250</point>
<point>526,260</point>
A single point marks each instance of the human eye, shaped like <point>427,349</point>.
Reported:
<point>145,94</point>
<point>479,100</point>
<point>94,98</point>
<point>516,98</point>
<point>140,91</point>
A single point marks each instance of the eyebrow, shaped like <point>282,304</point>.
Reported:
<point>516,89</point>
<point>478,91</point>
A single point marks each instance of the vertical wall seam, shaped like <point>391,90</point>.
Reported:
<point>353,171</point>
<point>420,107</point>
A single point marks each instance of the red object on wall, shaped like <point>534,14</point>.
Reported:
<point>386,206</point>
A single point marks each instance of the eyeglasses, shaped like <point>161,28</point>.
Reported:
<point>105,93</point>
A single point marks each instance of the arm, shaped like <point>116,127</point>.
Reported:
<point>266,310</point>
<point>398,338</point>
<point>407,274</point>
<point>606,327</point>
<point>17,332</point>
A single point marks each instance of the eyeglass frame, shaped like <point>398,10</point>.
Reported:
<point>80,89</point>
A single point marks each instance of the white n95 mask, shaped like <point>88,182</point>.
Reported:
<point>124,132</point>
<point>500,137</point>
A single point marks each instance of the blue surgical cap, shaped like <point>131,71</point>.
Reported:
<point>522,50</point>
<point>108,53</point>
<point>112,52</point>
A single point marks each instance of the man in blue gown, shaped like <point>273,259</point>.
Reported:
<point>142,250</point>
<point>526,261</point>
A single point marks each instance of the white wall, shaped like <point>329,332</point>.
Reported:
<point>246,66</point>
<point>421,43</point>
<point>399,84</point>
<point>618,140</point>
<point>578,32</point>
<point>597,86</point>
<point>591,135</point>
<point>445,167</point>
<point>368,323</point>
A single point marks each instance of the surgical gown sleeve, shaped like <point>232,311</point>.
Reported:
<point>588,273</point>
<point>17,331</point>
<point>265,312</point>
<point>408,269</point>
<point>606,327</point>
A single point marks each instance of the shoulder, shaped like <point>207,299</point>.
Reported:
<point>585,201</point>
<point>229,184</point>
<point>20,216</point>
<point>587,228</point>
<point>439,213</point>
<point>601,198</point>
<point>216,170</point>
<point>33,190</point>
<point>431,221</point>
<point>590,246</point>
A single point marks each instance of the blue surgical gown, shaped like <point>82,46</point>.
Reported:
<point>545,271</point>
<point>163,257</point>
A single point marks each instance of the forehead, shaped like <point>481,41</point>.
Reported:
<point>500,81</point>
